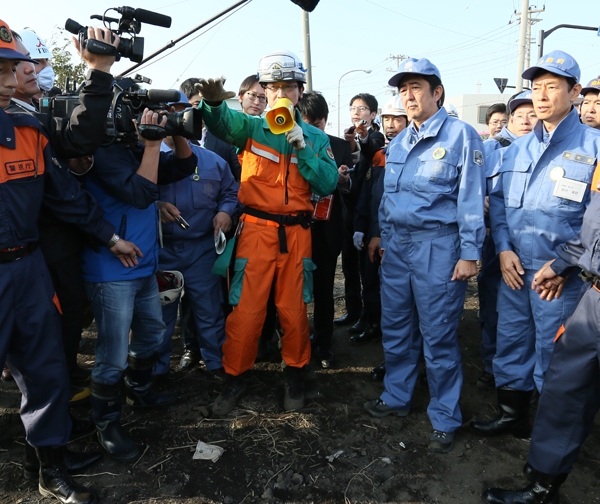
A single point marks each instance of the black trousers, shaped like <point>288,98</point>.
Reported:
<point>351,266</point>
<point>68,284</point>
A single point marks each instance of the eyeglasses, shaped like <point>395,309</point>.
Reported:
<point>288,88</point>
<point>360,109</point>
<point>531,117</point>
<point>499,123</point>
<point>254,97</point>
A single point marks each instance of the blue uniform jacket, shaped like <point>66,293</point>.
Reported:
<point>128,202</point>
<point>25,146</point>
<point>491,145</point>
<point>210,189</point>
<point>525,216</point>
<point>435,178</point>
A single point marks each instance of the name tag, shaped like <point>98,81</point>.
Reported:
<point>572,190</point>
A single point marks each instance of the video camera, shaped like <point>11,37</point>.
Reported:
<point>130,23</point>
<point>129,101</point>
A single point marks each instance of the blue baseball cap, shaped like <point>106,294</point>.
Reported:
<point>520,99</point>
<point>593,85</point>
<point>556,62</point>
<point>183,100</point>
<point>420,66</point>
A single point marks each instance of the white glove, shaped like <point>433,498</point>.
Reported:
<point>358,240</point>
<point>212,90</point>
<point>295,137</point>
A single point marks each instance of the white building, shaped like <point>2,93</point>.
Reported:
<point>472,108</point>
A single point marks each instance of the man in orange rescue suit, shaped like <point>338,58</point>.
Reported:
<point>279,175</point>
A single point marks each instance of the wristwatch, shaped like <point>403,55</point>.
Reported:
<point>113,241</point>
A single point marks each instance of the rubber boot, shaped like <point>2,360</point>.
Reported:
<point>106,409</point>
<point>76,462</point>
<point>542,490</point>
<point>233,388</point>
<point>138,381</point>
<point>514,415</point>
<point>293,399</point>
<point>55,480</point>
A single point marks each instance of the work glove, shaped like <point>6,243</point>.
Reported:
<point>295,137</point>
<point>212,90</point>
<point>358,240</point>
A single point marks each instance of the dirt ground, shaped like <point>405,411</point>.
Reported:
<point>276,457</point>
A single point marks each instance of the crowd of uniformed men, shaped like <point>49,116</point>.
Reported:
<point>412,198</point>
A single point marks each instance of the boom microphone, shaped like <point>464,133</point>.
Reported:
<point>163,95</point>
<point>153,18</point>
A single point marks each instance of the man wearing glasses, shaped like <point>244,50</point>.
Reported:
<point>279,175</point>
<point>496,118</point>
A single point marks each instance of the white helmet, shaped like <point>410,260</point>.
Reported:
<point>170,285</point>
<point>393,107</point>
<point>281,66</point>
<point>35,45</point>
<point>451,109</point>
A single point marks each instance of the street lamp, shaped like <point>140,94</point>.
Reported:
<point>339,83</point>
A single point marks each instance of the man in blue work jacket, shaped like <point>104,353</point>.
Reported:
<point>432,231</point>
<point>207,200</point>
<point>537,205</point>
<point>521,121</point>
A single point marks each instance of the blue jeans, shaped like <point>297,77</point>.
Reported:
<point>118,307</point>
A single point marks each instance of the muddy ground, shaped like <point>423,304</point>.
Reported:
<point>276,457</point>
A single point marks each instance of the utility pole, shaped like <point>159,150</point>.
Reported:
<point>399,59</point>
<point>525,39</point>
<point>307,58</point>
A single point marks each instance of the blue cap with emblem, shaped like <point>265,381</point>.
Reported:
<point>183,100</point>
<point>420,66</point>
<point>520,99</point>
<point>593,85</point>
<point>556,62</point>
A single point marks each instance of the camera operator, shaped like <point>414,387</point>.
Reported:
<point>30,337</point>
<point>125,181</point>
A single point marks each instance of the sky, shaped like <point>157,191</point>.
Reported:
<point>470,41</point>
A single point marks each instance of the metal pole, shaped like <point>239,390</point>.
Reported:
<point>339,83</point>
<point>546,34</point>
<point>521,62</point>
<point>541,44</point>
<point>528,43</point>
<point>307,59</point>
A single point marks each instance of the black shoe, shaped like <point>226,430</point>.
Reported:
<point>360,327</point>
<point>106,408</point>
<point>294,388</point>
<point>372,333</point>
<point>76,462</point>
<point>513,417</point>
<point>326,359</point>
<point>542,490</point>
<point>189,360</point>
<point>349,318</point>
<point>233,388</point>
<point>56,482</point>
<point>379,409</point>
<point>441,442</point>
<point>138,384</point>
<point>378,373</point>
<point>486,381</point>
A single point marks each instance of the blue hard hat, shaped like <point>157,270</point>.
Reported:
<point>593,85</point>
<point>556,62</point>
<point>420,66</point>
<point>520,99</point>
<point>183,100</point>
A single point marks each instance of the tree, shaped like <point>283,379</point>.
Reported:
<point>64,62</point>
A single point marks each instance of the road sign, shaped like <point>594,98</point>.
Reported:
<point>501,83</point>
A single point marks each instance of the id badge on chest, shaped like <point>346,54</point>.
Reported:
<point>572,190</point>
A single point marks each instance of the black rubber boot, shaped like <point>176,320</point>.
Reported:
<point>76,462</point>
<point>514,415</point>
<point>55,480</point>
<point>542,490</point>
<point>293,399</point>
<point>106,408</point>
<point>233,388</point>
<point>138,381</point>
